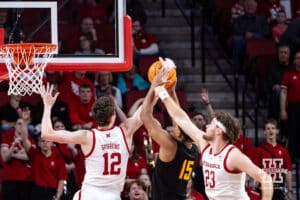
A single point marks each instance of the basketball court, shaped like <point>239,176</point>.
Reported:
<point>46,29</point>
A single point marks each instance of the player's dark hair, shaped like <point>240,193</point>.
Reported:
<point>185,138</point>
<point>103,109</point>
<point>231,124</point>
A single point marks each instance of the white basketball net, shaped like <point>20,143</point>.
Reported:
<point>26,66</point>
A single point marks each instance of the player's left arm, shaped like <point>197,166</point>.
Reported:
<point>132,124</point>
<point>239,162</point>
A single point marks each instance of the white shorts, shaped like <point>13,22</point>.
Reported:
<point>93,193</point>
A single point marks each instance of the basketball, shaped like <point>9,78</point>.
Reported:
<point>154,69</point>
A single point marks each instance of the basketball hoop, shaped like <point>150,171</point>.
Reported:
<point>26,63</point>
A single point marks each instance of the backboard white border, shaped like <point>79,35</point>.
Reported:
<point>38,4</point>
<point>54,30</point>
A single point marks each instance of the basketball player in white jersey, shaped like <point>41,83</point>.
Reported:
<point>224,165</point>
<point>106,148</point>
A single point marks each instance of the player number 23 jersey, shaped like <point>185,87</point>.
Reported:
<point>220,183</point>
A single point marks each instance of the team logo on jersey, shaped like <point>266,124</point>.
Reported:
<point>274,167</point>
<point>107,135</point>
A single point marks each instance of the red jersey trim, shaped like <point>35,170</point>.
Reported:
<point>79,195</point>
<point>103,129</point>
<point>221,150</point>
<point>202,152</point>
<point>93,145</point>
<point>124,137</point>
<point>224,162</point>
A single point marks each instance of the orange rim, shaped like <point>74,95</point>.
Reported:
<point>20,47</point>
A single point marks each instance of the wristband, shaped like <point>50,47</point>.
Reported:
<point>163,95</point>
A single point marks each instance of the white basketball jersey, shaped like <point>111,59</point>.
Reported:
<point>107,162</point>
<point>220,183</point>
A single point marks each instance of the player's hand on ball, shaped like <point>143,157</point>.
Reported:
<point>167,63</point>
<point>161,77</point>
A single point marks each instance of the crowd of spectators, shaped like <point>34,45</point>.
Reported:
<point>263,42</point>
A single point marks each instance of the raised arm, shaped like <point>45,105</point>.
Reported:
<point>132,124</point>
<point>154,128</point>
<point>24,130</point>
<point>119,111</point>
<point>61,136</point>
<point>206,101</point>
<point>178,114</point>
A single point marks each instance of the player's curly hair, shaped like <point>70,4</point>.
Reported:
<point>102,110</point>
<point>231,124</point>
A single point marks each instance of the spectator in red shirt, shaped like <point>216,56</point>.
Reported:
<point>276,161</point>
<point>136,164</point>
<point>290,105</point>
<point>69,88</point>
<point>49,171</point>
<point>68,152</point>
<point>245,145</point>
<point>280,27</point>
<point>80,110</point>
<point>17,171</point>
<point>144,42</point>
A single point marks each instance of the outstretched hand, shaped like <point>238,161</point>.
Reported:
<point>161,77</point>
<point>47,95</point>
<point>204,96</point>
<point>167,63</point>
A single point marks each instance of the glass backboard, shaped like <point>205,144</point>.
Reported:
<point>90,35</point>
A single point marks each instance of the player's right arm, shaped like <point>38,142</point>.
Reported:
<point>166,143</point>
<point>181,118</point>
<point>62,136</point>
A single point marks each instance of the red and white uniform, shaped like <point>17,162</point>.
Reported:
<point>105,166</point>
<point>220,182</point>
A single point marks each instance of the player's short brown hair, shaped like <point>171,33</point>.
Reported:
<point>231,124</point>
<point>103,109</point>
